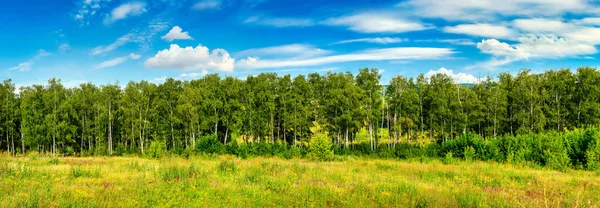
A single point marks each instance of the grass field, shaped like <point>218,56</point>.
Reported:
<point>225,181</point>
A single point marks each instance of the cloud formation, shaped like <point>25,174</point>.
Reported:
<point>26,66</point>
<point>117,61</point>
<point>459,78</point>
<point>383,40</point>
<point>125,10</point>
<point>385,54</point>
<point>375,23</point>
<point>176,33</point>
<point>279,21</point>
<point>207,4</point>
<point>190,58</point>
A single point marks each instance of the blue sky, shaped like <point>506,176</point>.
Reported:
<point>105,41</point>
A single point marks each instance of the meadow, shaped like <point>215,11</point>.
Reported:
<point>227,181</point>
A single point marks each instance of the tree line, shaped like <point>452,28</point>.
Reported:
<point>268,108</point>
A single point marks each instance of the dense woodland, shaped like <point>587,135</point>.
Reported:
<point>102,120</point>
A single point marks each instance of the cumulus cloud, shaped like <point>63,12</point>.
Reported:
<point>26,66</point>
<point>383,40</point>
<point>176,33</point>
<point>279,21</point>
<point>207,4</point>
<point>408,53</point>
<point>545,47</point>
<point>375,23</point>
<point>482,30</point>
<point>461,78</point>
<point>117,61</point>
<point>126,10</point>
<point>190,58</point>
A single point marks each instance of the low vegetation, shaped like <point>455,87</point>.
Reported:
<point>216,181</point>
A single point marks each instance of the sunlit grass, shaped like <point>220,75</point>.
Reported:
<point>217,181</point>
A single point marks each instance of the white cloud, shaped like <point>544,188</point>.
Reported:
<point>119,42</point>
<point>482,30</point>
<point>541,25</point>
<point>126,10</point>
<point>64,47</point>
<point>87,9</point>
<point>190,58</point>
<point>112,62</point>
<point>460,78</point>
<point>383,40</point>
<point>545,47</point>
<point>176,34</point>
<point>476,10</point>
<point>134,56</point>
<point>375,23</point>
<point>290,50</point>
<point>194,74</point>
<point>367,55</point>
<point>117,61</point>
<point>207,4</point>
<point>589,21</point>
<point>26,66</point>
<point>159,80</point>
<point>279,21</point>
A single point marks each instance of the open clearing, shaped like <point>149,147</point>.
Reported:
<point>217,181</point>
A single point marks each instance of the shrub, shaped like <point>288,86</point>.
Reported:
<point>155,150</point>
<point>469,153</point>
<point>320,145</point>
<point>592,154</point>
<point>449,158</point>
<point>210,144</point>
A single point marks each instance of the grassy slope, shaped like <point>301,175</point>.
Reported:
<point>227,181</point>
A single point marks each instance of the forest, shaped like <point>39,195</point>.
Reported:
<point>546,118</point>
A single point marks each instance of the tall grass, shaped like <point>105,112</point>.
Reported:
<point>226,181</point>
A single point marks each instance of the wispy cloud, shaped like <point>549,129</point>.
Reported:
<point>375,23</point>
<point>280,21</point>
<point>407,53</point>
<point>26,66</point>
<point>125,10</point>
<point>207,4</point>
<point>383,40</point>
<point>117,61</point>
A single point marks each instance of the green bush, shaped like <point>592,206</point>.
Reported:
<point>155,150</point>
<point>210,144</point>
<point>592,154</point>
<point>319,145</point>
<point>469,153</point>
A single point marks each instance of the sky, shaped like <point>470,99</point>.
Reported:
<point>116,41</point>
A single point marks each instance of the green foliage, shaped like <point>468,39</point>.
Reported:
<point>156,149</point>
<point>449,158</point>
<point>320,145</point>
<point>210,144</point>
<point>469,153</point>
<point>227,166</point>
